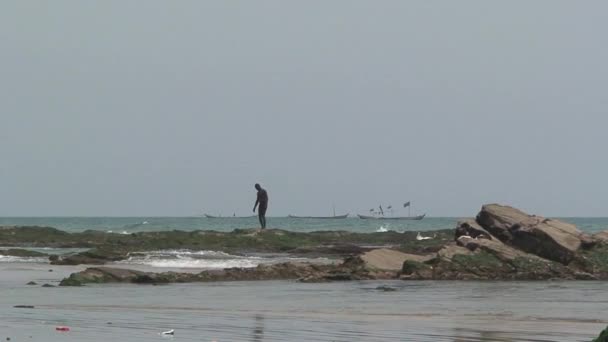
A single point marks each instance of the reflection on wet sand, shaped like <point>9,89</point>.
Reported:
<point>481,336</point>
<point>258,329</point>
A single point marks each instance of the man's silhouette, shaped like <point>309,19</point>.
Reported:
<point>262,200</point>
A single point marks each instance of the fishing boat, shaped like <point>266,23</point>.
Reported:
<point>239,217</point>
<point>335,217</point>
<point>417,218</point>
<point>379,214</point>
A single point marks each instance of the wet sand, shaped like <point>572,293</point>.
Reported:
<point>291,311</point>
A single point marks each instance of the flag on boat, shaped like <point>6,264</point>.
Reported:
<point>406,204</point>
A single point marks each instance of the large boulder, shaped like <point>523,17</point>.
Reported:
<point>498,220</point>
<point>390,260</point>
<point>547,238</point>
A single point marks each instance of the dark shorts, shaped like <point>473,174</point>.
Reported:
<point>262,210</point>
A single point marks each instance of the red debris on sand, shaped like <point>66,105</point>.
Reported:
<point>62,328</point>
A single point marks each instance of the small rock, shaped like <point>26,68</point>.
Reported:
<point>50,270</point>
<point>48,285</point>
<point>168,332</point>
<point>32,283</point>
<point>386,288</point>
<point>24,306</point>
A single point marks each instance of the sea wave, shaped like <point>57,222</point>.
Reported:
<point>206,259</point>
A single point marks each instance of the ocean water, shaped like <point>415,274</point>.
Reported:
<point>291,311</point>
<point>134,224</point>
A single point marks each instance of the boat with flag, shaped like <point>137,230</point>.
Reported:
<point>233,216</point>
<point>335,217</point>
<point>379,214</point>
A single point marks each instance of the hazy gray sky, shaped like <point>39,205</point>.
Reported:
<point>179,107</point>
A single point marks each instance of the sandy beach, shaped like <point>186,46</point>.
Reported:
<point>290,311</point>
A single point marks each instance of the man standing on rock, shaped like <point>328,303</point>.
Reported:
<point>262,200</point>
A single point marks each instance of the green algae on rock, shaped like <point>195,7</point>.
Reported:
<point>603,336</point>
<point>24,253</point>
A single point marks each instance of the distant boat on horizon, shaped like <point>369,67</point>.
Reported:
<point>379,214</point>
<point>335,217</point>
<point>238,217</point>
<point>416,218</point>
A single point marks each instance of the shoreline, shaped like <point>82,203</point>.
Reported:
<point>502,243</point>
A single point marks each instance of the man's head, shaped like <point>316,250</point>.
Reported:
<point>258,187</point>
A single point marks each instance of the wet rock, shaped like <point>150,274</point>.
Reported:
<point>450,250</point>
<point>386,288</point>
<point>32,283</point>
<point>97,256</point>
<point>584,276</point>
<point>601,237</point>
<point>101,275</point>
<point>103,245</point>
<point>494,247</point>
<point>48,285</point>
<point>410,266</point>
<point>547,238</point>
<point>24,306</point>
<point>471,228</point>
<point>17,252</point>
<point>388,259</point>
<point>352,269</point>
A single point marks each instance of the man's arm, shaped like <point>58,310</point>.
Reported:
<point>256,203</point>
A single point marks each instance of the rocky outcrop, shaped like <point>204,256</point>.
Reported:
<point>106,247</point>
<point>551,239</point>
<point>353,269</point>
<point>503,243</point>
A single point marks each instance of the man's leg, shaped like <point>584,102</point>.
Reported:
<point>261,218</point>
<point>262,212</point>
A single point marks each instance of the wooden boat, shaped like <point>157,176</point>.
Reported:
<point>228,217</point>
<point>417,218</point>
<point>335,217</point>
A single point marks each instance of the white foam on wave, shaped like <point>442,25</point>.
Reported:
<point>192,259</point>
<point>10,258</point>
<point>206,259</point>
<point>199,263</point>
<point>195,254</point>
